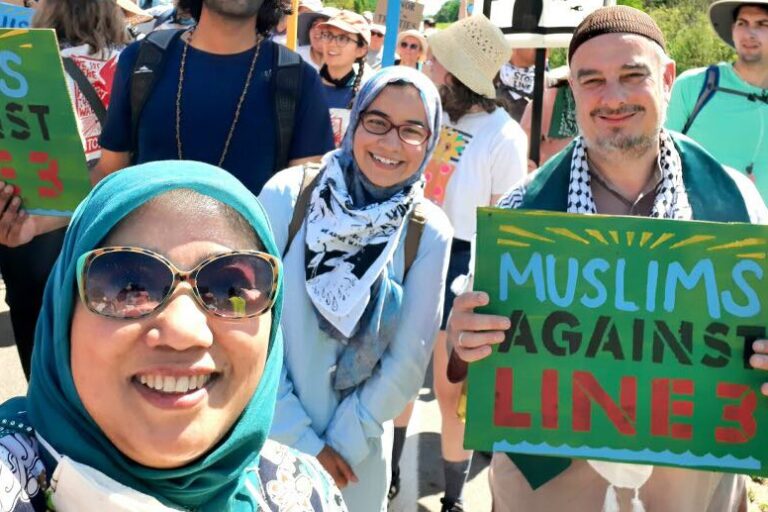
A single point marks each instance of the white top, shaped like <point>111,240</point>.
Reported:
<point>309,412</point>
<point>304,51</point>
<point>480,156</point>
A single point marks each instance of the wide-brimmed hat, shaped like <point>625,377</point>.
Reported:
<point>352,23</point>
<point>473,50</point>
<point>722,16</point>
<point>416,35</point>
<point>307,18</point>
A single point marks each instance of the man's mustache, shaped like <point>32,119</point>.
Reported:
<point>626,109</point>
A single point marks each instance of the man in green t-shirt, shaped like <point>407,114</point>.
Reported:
<point>733,123</point>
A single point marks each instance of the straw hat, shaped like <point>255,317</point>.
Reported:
<point>722,14</point>
<point>416,35</point>
<point>351,23</point>
<point>473,50</point>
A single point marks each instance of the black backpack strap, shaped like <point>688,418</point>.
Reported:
<point>86,87</point>
<point>309,181</point>
<point>711,80</point>
<point>286,85</point>
<point>148,66</point>
<point>416,222</point>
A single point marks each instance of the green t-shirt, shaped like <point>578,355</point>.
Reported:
<point>732,128</point>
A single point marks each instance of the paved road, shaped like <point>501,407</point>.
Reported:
<point>422,476</point>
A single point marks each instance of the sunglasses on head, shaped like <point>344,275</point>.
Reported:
<point>131,282</point>
<point>411,46</point>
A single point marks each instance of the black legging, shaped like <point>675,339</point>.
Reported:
<point>25,271</point>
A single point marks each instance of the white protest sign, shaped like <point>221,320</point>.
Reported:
<point>538,23</point>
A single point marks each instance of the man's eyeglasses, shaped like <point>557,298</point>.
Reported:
<point>339,39</point>
<point>409,46</point>
<point>132,282</point>
<point>376,124</point>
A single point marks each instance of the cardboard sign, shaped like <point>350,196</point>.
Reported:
<point>411,14</point>
<point>630,340</point>
<point>14,16</point>
<point>538,23</point>
<point>41,152</point>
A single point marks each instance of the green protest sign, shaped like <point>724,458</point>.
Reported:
<point>630,340</point>
<point>41,153</point>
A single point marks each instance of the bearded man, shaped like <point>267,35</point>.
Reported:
<point>623,163</point>
<point>213,98</point>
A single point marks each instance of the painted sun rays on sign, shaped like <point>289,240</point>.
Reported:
<point>646,239</point>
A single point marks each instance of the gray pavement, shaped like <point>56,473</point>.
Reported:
<point>422,473</point>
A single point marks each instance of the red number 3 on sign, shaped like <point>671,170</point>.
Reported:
<point>48,174</point>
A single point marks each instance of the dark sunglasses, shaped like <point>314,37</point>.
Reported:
<point>377,34</point>
<point>412,134</point>
<point>412,46</point>
<point>131,282</point>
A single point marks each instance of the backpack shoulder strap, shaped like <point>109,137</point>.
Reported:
<point>711,80</point>
<point>286,85</point>
<point>416,222</point>
<point>86,87</point>
<point>148,65</point>
<point>308,182</point>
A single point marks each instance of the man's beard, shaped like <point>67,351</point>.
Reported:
<point>631,146</point>
<point>234,8</point>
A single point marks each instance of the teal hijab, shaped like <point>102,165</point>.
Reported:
<point>215,481</point>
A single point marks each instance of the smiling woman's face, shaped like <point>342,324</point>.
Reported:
<point>110,358</point>
<point>385,159</point>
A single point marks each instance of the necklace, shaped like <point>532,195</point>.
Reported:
<point>239,102</point>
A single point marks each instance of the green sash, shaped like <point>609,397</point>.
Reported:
<point>713,196</point>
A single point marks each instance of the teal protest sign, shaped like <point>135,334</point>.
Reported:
<point>15,16</point>
<point>41,153</point>
<point>630,340</point>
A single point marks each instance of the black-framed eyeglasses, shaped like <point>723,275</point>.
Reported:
<point>376,124</point>
<point>411,46</point>
<point>339,39</point>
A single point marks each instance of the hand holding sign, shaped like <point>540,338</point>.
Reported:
<point>16,226</point>
<point>631,339</point>
<point>42,153</point>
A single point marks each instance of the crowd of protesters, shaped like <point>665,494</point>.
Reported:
<point>299,230</point>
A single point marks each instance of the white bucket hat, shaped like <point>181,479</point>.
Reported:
<point>473,50</point>
<point>721,14</point>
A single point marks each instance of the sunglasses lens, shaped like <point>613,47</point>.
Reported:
<point>237,285</point>
<point>126,284</point>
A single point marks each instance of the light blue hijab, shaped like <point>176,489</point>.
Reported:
<point>378,323</point>
<point>212,483</point>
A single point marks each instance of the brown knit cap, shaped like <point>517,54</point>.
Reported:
<point>615,19</point>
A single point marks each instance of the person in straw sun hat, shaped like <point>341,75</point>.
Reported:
<point>731,119</point>
<point>481,153</point>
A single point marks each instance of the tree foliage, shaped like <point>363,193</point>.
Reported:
<point>449,12</point>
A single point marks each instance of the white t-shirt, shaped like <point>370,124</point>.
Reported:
<point>100,70</point>
<point>305,52</point>
<point>480,156</point>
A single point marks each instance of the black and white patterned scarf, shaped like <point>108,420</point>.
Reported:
<point>671,201</point>
<point>348,248</point>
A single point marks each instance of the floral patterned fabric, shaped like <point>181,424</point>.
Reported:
<point>290,481</point>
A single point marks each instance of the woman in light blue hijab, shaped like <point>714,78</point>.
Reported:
<point>157,358</point>
<point>364,304</point>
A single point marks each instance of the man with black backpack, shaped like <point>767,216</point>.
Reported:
<point>724,107</point>
<point>221,93</point>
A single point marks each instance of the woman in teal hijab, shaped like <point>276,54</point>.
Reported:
<point>157,358</point>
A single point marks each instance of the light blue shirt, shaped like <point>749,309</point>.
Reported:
<point>309,412</point>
